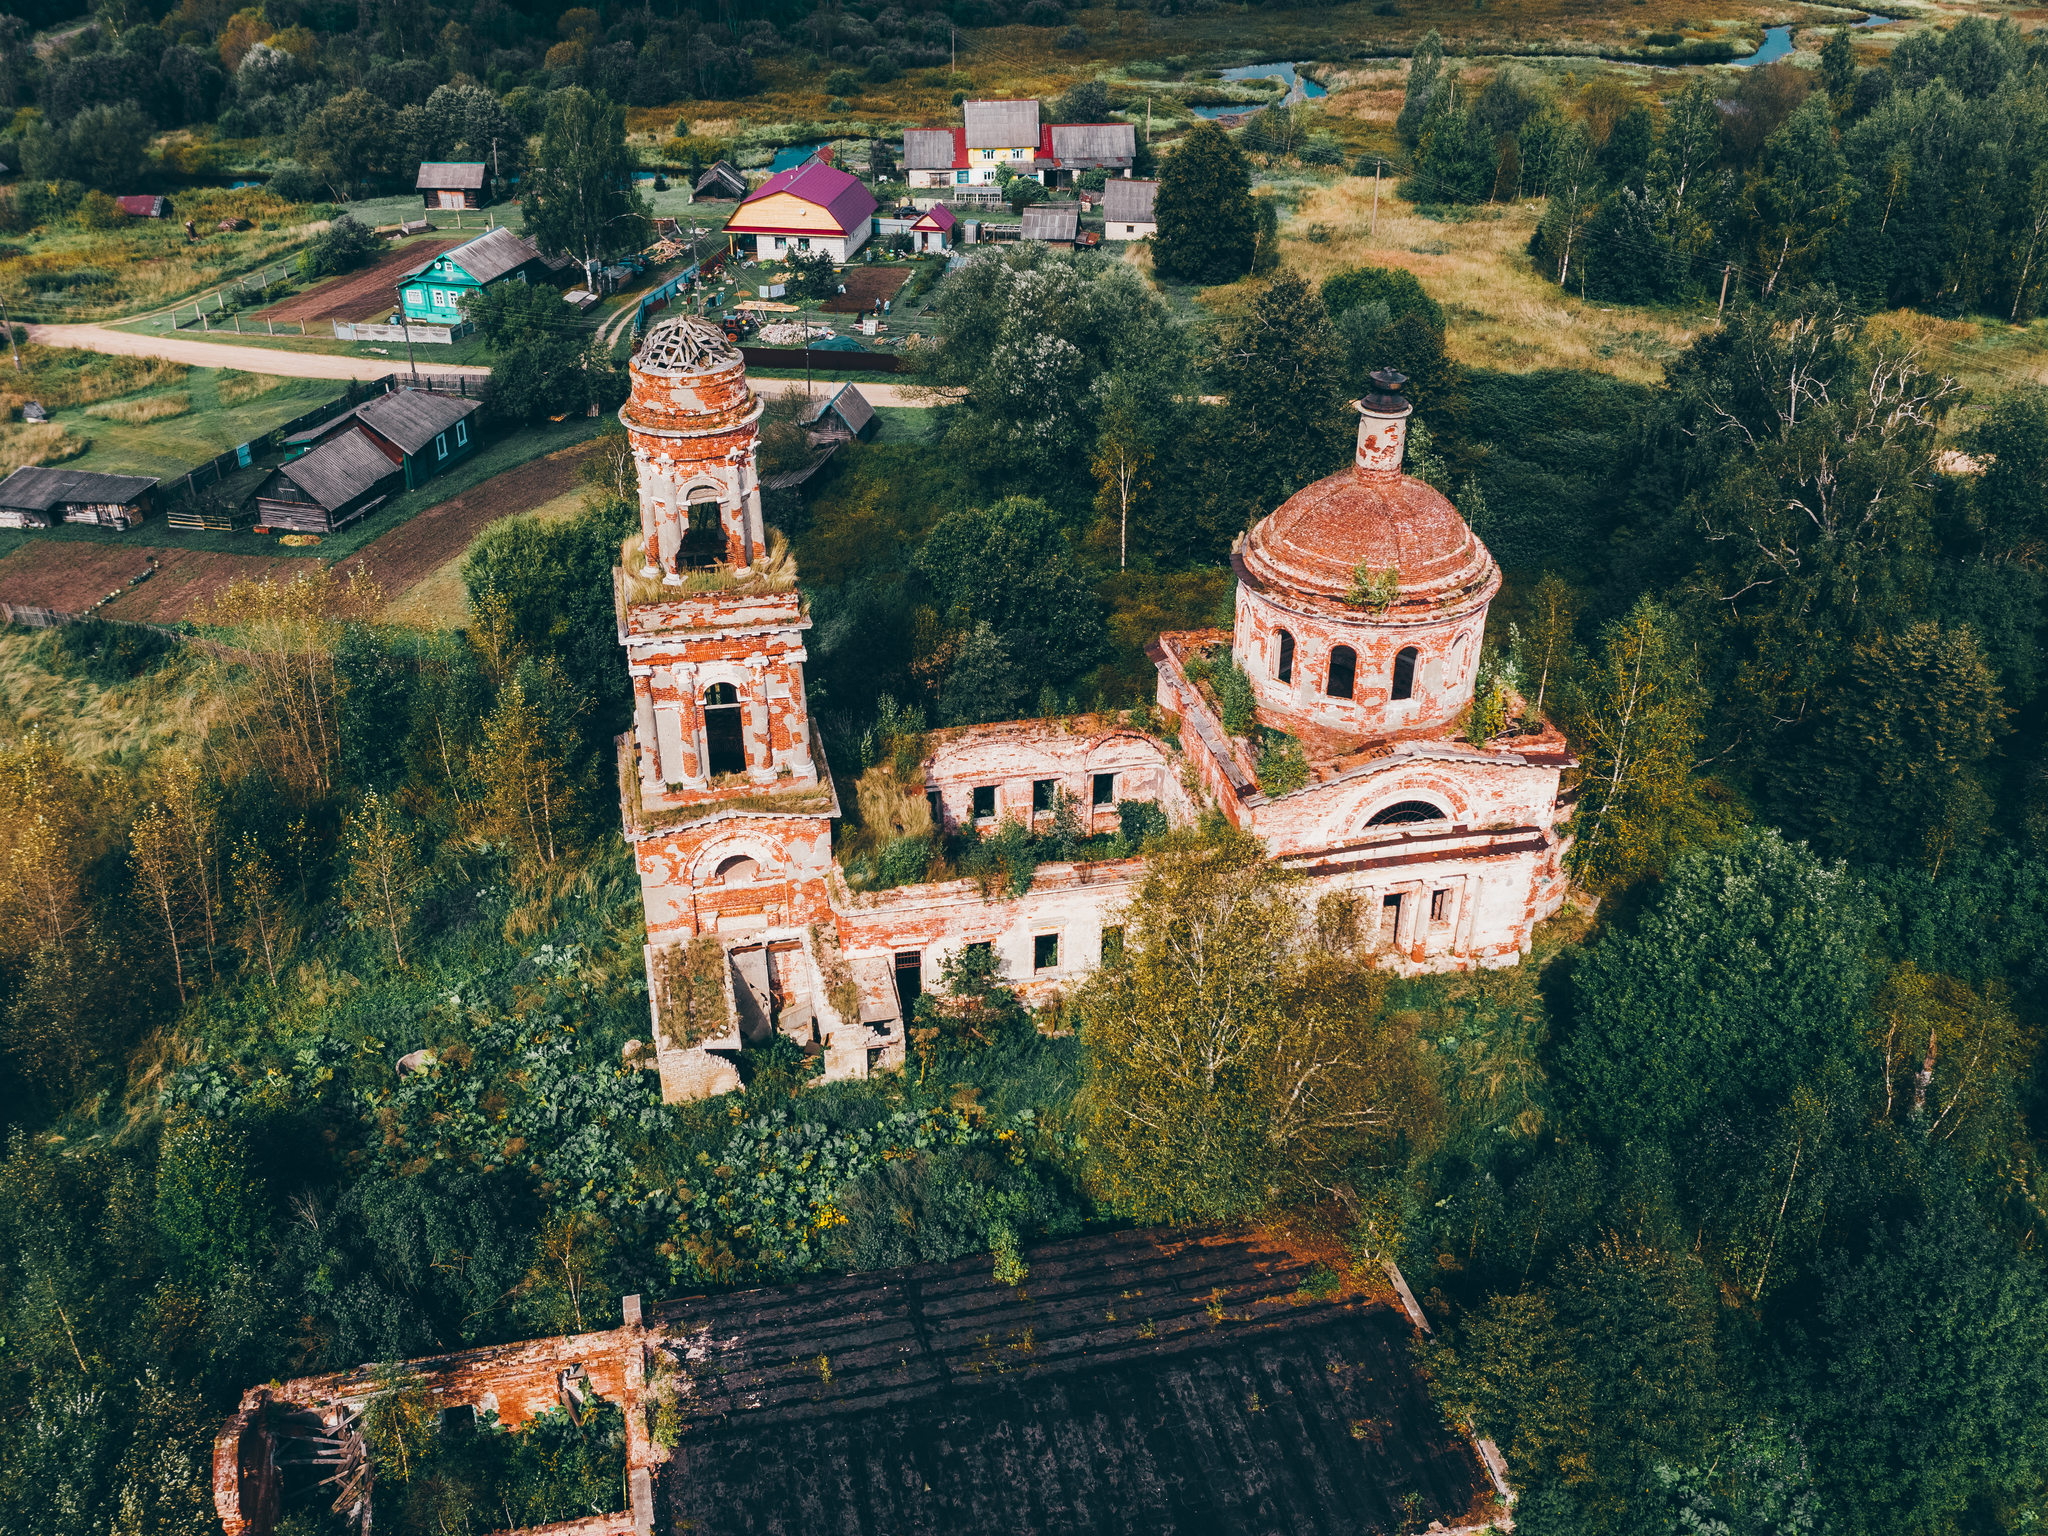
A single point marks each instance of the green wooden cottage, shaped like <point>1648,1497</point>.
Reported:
<point>432,293</point>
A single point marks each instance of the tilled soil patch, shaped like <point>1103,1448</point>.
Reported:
<point>354,298</point>
<point>866,287</point>
<point>422,544</point>
<point>71,575</point>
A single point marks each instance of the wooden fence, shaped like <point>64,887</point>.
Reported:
<point>822,360</point>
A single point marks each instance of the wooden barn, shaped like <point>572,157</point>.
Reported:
<point>451,184</point>
<point>841,415</point>
<point>722,183</point>
<point>419,431</point>
<point>40,498</point>
<point>346,477</point>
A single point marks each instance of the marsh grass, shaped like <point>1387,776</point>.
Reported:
<point>94,722</point>
<point>148,408</point>
<point>24,444</point>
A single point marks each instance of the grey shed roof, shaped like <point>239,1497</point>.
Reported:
<point>927,149</point>
<point>486,258</point>
<point>848,404</point>
<point>38,490</point>
<point>1128,202</point>
<point>1096,144</point>
<point>412,418</point>
<point>337,472</point>
<point>1052,224</point>
<point>722,177</point>
<point>455,175</point>
<point>1001,125</point>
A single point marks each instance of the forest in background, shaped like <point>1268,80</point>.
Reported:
<point>1726,1203</point>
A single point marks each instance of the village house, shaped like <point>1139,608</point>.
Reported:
<point>1127,210</point>
<point>432,293</point>
<point>40,498</point>
<point>452,184</point>
<point>810,210</point>
<point>1008,136</point>
<point>932,230</point>
<point>348,476</point>
<point>1448,853</point>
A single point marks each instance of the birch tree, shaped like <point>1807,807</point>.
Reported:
<point>1231,1063</point>
<point>383,871</point>
<point>1635,720</point>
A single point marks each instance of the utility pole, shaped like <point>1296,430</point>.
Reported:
<point>405,326</point>
<point>10,335</point>
<point>1725,272</point>
<point>1375,197</point>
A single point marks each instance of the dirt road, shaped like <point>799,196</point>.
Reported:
<point>311,365</point>
<point>214,354</point>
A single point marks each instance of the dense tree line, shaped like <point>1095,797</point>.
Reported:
<point>1915,183</point>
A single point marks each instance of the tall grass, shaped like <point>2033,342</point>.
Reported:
<point>234,388</point>
<point>136,412</point>
<point>75,273</point>
<point>24,444</point>
<point>61,376</point>
<point>94,721</point>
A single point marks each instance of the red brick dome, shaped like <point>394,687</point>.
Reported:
<point>1315,542</point>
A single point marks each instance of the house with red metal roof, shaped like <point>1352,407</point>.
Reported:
<point>811,209</point>
<point>1007,135</point>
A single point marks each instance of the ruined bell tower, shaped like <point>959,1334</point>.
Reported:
<point>721,791</point>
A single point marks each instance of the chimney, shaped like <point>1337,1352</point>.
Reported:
<point>1383,426</point>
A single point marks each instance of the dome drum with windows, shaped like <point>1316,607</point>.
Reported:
<point>1362,600</point>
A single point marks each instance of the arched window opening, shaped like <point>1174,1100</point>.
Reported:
<point>1404,675</point>
<point>703,537</point>
<point>1343,672</point>
<point>1285,671</point>
<point>1405,811</point>
<point>738,870</point>
<point>725,738</point>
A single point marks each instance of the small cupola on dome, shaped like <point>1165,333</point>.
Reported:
<point>1383,425</point>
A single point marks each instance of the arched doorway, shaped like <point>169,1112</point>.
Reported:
<point>725,737</point>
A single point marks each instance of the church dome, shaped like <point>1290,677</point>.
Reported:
<point>1372,515</point>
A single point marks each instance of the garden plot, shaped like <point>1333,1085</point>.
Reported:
<point>358,295</point>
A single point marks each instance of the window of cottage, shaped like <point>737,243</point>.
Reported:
<point>1404,675</point>
<point>1285,671</point>
<point>725,739</point>
<point>1104,790</point>
<point>1045,952</point>
<point>984,802</point>
<point>1042,794</point>
<point>1343,672</point>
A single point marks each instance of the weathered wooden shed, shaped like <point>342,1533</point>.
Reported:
<point>39,498</point>
<point>452,184</point>
<point>1054,225</point>
<point>722,183</point>
<point>345,478</point>
<point>843,414</point>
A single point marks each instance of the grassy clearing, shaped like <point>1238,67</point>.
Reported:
<point>95,722</point>
<point>62,376</point>
<point>234,388</point>
<point>140,436</point>
<point>137,412</point>
<point>439,600</point>
<point>63,271</point>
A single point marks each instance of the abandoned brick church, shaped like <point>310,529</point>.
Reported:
<point>1454,852</point>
